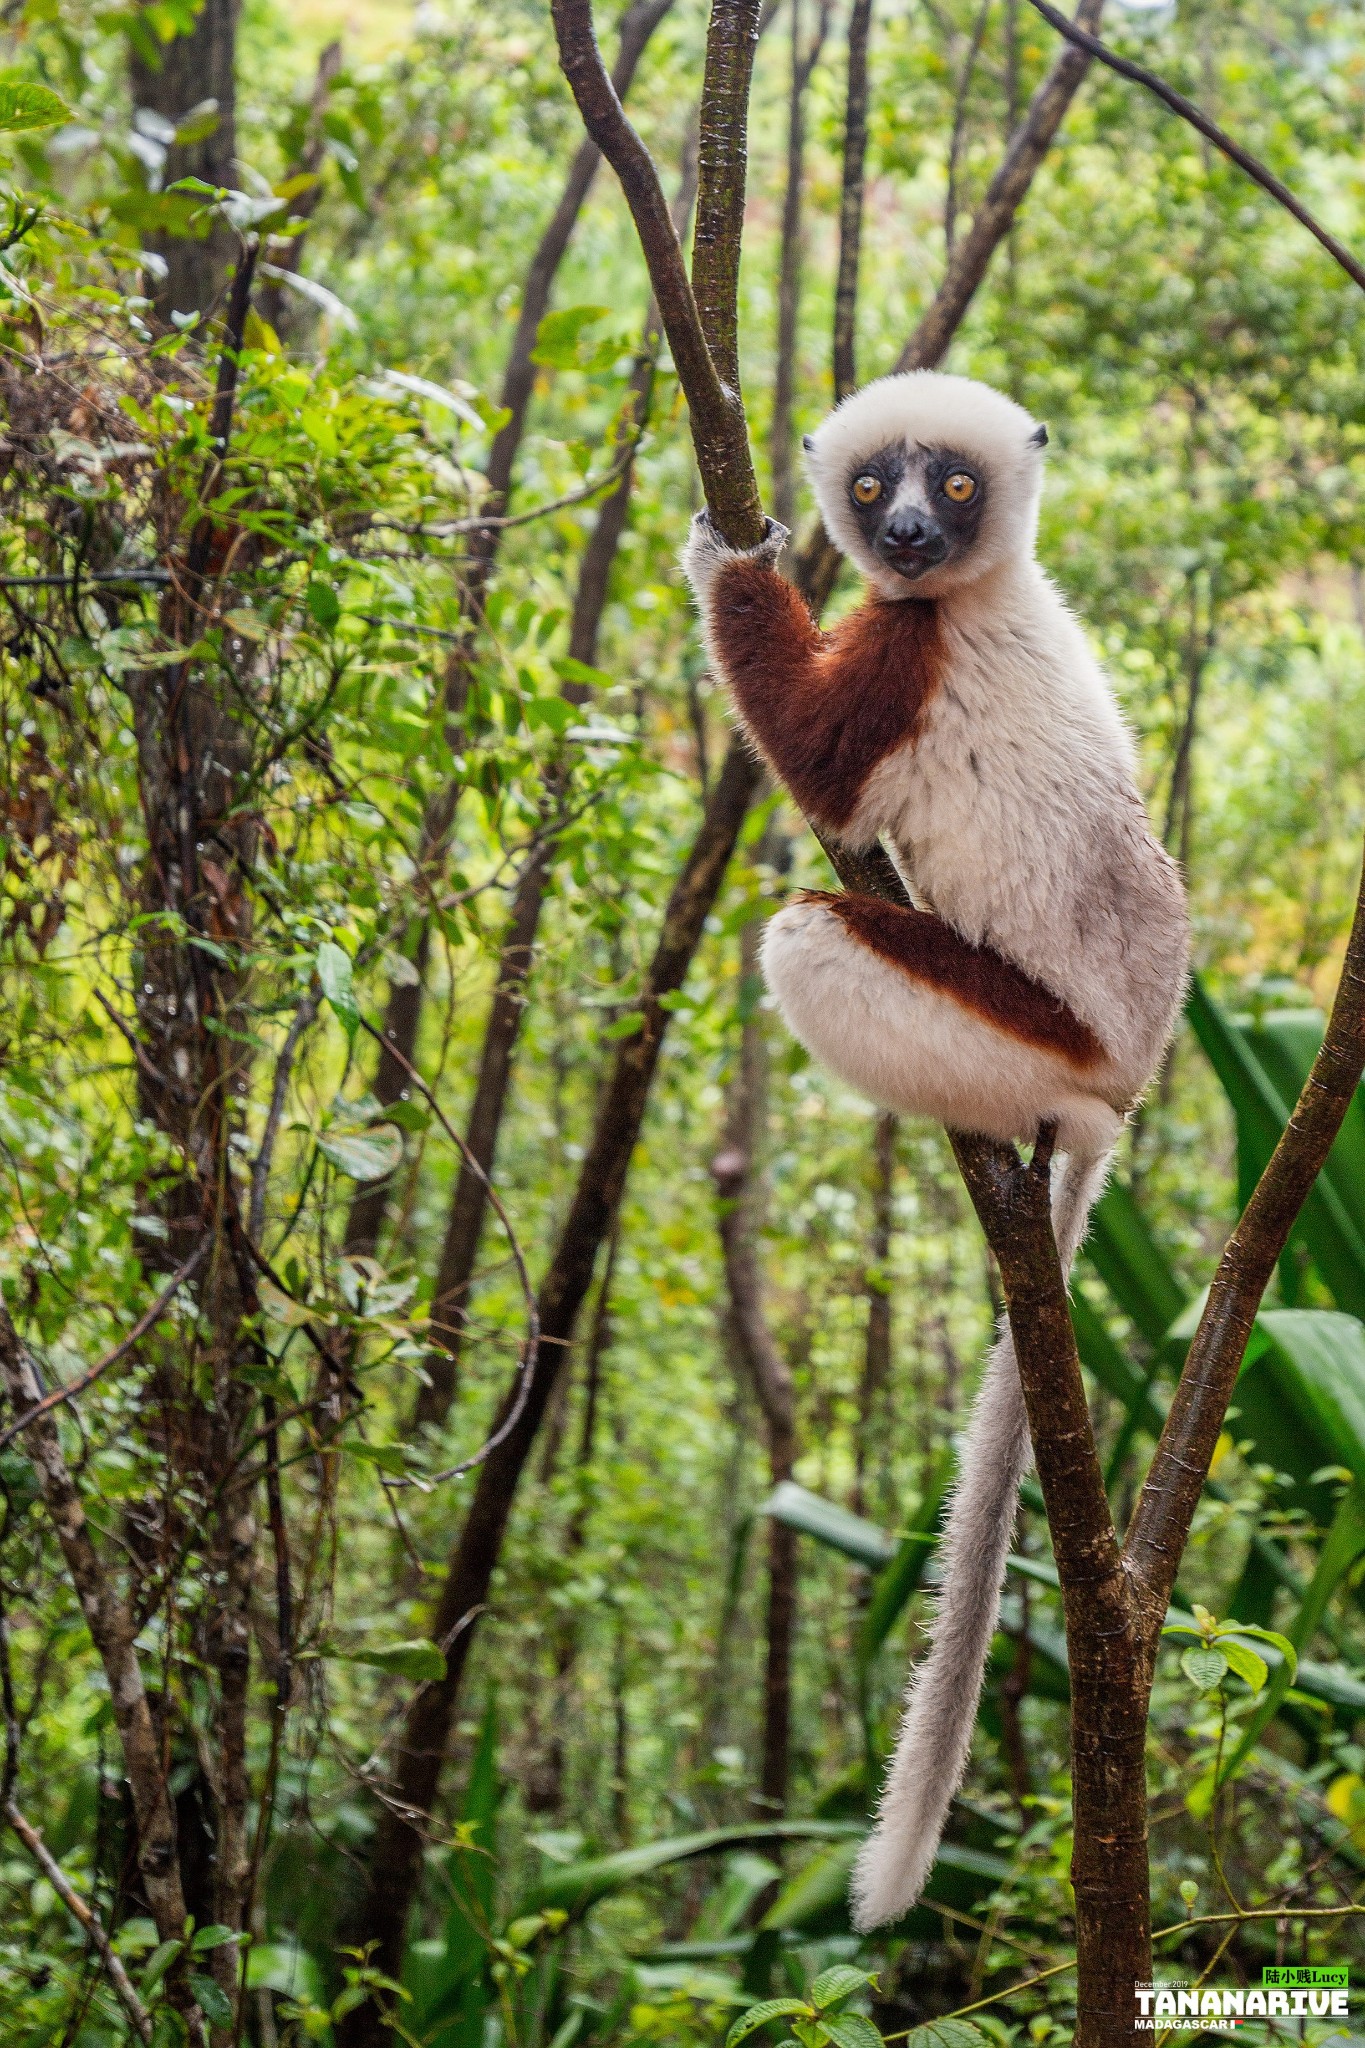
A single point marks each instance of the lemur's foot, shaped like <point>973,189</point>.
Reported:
<point>706,552</point>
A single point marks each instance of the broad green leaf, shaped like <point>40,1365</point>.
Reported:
<point>559,334</point>
<point>1250,1667</point>
<point>335,975</point>
<point>577,1886</point>
<point>946,2034</point>
<point>211,2000</point>
<point>366,1154</point>
<point>758,2016</point>
<point>323,604</point>
<point>850,2030</point>
<point>418,1659</point>
<point>207,1938</point>
<point>897,1585</point>
<point>281,1965</point>
<point>828,1523</point>
<point>841,1980</point>
<point>1204,1668</point>
<point>25,107</point>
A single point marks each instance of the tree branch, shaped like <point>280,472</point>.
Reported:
<point>1077,34</point>
<point>993,218</point>
<point>718,425</point>
<point>851,202</point>
<point>83,1915</point>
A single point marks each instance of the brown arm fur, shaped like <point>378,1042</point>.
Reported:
<point>823,708</point>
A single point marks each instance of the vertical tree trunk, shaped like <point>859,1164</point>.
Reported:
<point>737,1172</point>
<point>194,68</point>
<point>782,439</point>
<point>876,1370</point>
<point>851,202</point>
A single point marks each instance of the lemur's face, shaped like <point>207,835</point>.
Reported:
<point>917,508</point>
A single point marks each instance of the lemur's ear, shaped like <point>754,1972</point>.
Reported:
<point>1038,438</point>
<point>808,442</point>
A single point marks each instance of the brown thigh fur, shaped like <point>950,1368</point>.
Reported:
<point>978,977</point>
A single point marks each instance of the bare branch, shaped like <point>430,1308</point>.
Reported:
<point>1077,34</point>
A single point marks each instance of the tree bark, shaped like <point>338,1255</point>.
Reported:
<point>790,254</point>
<point>851,202</point>
<point>737,1173</point>
<point>194,68</point>
<point>876,1372</point>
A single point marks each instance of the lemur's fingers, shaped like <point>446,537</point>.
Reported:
<point>706,551</point>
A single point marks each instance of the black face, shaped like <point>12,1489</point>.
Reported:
<point>917,508</point>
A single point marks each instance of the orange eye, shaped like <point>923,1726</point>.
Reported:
<point>866,490</point>
<point>960,487</point>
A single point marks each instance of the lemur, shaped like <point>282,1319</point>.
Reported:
<point>959,714</point>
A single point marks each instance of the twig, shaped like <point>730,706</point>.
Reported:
<point>145,1322</point>
<point>81,1912</point>
<point>1209,129</point>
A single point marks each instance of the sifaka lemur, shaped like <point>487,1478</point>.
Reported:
<point>959,714</point>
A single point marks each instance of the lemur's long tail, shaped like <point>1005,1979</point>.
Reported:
<point>941,1701</point>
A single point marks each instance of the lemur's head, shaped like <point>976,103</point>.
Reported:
<point>927,482</point>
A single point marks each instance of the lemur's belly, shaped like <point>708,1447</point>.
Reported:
<point>1016,840</point>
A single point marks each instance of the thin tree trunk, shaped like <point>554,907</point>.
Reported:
<point>876,1372</point>
<point>737,1173</point>
<point>851,202</point>
<point>168,80</point>
<point>782,439</point>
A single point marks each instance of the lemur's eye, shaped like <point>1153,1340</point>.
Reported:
<point>866,490</point>
<point>960,487</point>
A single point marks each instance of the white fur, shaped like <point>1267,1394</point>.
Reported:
<point>945,1688</point>
<point>1014,816</point>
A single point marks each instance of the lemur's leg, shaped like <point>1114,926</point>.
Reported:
<point>901,1007</point>
<point>823,708</point>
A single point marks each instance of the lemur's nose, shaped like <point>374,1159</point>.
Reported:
<point>909,529</point>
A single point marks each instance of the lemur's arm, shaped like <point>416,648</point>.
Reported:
<point>823,708</point>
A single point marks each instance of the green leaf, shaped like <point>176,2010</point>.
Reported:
<point>758,2016</point>
<point>211,1937</point>
<point>830,1524</point>
<point>323,603</point>
<point>335,975</point>
<point>624,1026</point>
<point>24,107</point>
<point>841,1980</point>
<point>1204,1668</point>
<point>418,1660</point>
<point>1263,1635</point>
<point>850,2030</point>
<point>577,1886</point>
<point>558,335</point>
<point>366,1154</point>
<point>211,2000</point>
<point>1245,1662</point>
<point>945,2034</point>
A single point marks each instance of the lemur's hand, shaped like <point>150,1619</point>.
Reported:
<point>706,552</point>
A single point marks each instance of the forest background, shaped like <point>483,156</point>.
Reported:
<point>304,751</point>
